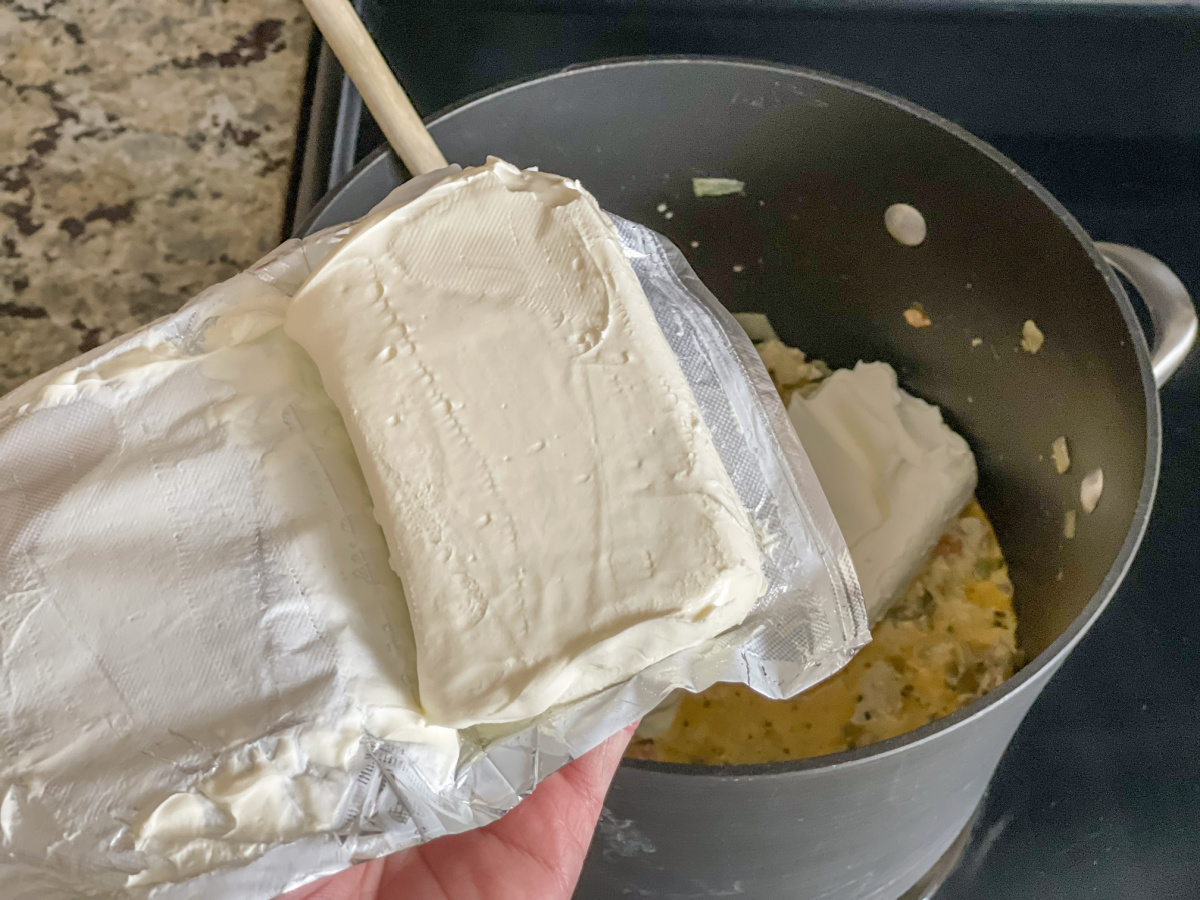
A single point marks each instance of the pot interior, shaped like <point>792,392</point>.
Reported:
<point>806,245</point>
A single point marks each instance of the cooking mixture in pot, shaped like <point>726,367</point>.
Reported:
<point>950,639</point>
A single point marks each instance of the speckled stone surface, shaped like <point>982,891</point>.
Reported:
<point>145,153</point>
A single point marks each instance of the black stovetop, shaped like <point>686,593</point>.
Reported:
<point>1098,795</point>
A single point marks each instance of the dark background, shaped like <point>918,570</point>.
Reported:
<point>1099,793</point>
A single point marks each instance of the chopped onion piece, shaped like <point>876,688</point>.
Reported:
<point>717,187</point>
<point>916,316</point>
<point>905,223</point>
<point>1031,337</point>
<point>1062,457</point>
<point>757,326</point>
<point>1090,489</point>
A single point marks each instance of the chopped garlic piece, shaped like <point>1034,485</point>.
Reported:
<point>717,187</point>
<point>916,316</point>
<point>739,268</point>
<point>1090,489</point>
<point>1031,337</point>
<point>1069,524</point>
<point>976,342</point>
<point>1062,457</point>
<point>662,207</point>
<point>905,223</point>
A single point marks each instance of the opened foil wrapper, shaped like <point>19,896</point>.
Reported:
<point>208,669</point>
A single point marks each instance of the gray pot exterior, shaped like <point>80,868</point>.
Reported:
<point>861,829</point>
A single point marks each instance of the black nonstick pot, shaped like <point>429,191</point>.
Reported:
<point>822,159</point>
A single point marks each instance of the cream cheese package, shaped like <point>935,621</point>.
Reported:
<point>550,496</point>
<point>210,668</point>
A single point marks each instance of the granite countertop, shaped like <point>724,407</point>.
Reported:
<point>145,154</point>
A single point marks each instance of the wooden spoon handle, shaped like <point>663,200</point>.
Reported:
<point>354,48</point>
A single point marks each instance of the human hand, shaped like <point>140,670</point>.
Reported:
<point>534,852</point>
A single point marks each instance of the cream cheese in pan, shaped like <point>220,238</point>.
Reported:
<point>894,473</point>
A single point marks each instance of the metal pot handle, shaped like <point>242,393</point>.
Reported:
<point>1170,306</point>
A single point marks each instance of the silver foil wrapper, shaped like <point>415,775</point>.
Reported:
<point>117,479</point>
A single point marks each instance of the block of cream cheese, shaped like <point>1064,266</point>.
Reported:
<point>894,473</point>
<point>551,498</point>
